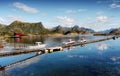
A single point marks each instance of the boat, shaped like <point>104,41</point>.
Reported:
<point>83,40</point>
<point>70,41</point>
<point>38,45</point>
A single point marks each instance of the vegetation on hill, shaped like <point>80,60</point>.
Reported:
<point>26,28</point>
<point>39,29</point>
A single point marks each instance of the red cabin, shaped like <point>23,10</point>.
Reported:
<point>18,34</point>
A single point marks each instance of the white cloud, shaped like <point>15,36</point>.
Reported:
<point>82,10</point>
<point>7,20</point>
<point>11,17</point>
<point>71,11</point>
<point>25,7</point>
<point>1,20</point>
<point>76,11</point>
<point>102,18</point>
<point>65,20</point>
<point>115,5</point>
<point>100,13</point>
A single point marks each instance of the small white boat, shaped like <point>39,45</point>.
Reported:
<point>70,41</point>
<point>38,45</point>
<point>82,40</point>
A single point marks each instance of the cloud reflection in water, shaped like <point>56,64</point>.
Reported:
<point>102,47</point>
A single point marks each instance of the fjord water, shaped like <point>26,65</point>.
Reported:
<point>95,59</point>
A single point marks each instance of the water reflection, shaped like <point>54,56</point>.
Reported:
<point>18,64</point>
<point>26,62</point>
<point>115,58</point>
<point>27,39</point>
<point>77,61</point>
<point>102,47</point>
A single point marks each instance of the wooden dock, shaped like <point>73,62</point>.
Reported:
<point>42,51</point>
<point>51,49</point>
<point>88,42</point>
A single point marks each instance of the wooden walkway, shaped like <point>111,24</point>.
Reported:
<point>51,49</point>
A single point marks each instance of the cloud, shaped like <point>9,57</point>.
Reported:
<point>71,11</point>
<point>1,20</point>
<point>99,13</point>
<point>102,18</point>
<point>115,5</point>
<point>25,7</point>
<point>82,10</point>
<point>65,20</point>
<point>8,19</point>
<point>11,17</point>
<point>76,11</point>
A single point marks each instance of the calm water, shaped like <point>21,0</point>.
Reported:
<point>96,59</point>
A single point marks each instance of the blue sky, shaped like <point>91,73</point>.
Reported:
<point>95,14</point>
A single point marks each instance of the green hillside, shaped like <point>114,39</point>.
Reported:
<point>26,28</point>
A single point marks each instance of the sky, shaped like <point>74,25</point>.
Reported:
<point>98,15</point>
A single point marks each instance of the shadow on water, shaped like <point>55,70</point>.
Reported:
<point>22,63</point>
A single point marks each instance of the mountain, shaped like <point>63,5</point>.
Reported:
<point>38,28</point>
<point>115,32</point>
<point>58,29</point>
<point>109,30</point>
<point>2,27</point>
<point>25,27</point>
<point>2,24</point>
<point>74,29</point>
<point>112,31</point>
<point>87,29</point>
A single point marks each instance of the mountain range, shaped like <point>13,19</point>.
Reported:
<point>74,29</point>
<point>38,28</point>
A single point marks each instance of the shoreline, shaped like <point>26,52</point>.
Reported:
<point>55,35</point>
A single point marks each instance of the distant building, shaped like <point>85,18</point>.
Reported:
<point>18,34</point>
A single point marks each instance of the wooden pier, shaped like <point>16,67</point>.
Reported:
<point>88,42</point>
<point>52,49</point>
